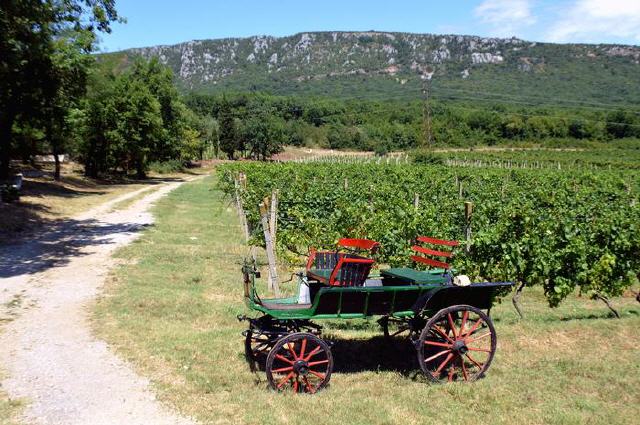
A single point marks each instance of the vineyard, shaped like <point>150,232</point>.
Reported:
<point>563,230</point>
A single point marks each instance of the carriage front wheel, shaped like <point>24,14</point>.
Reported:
<point>299,362</point>
<point>457,344</point>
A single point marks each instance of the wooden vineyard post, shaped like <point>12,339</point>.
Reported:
<point>272,283</point>
<point>468,211</point>
<point>241,182</point>
<point>416,201</point>
<point>273,219</point>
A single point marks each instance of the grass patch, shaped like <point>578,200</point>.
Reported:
<point>171,308</point>
<point>9,409</point>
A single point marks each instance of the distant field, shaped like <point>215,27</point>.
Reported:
<point>171,306</point>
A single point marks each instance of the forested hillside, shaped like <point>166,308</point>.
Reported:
<point>259,124</point>
<point>378,64</point>
<point>368,90</point>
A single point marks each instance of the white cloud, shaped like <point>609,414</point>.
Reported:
<point>593,20</point>
<point>506,17</point>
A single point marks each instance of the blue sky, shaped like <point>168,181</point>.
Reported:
<point>164,22</point>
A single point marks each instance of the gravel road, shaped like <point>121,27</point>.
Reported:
<point>48,355</point>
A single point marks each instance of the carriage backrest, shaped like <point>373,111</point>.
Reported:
<point>351,271</point>
<point>360,244</point>
<point>327,260</point>
<point>433,252</point>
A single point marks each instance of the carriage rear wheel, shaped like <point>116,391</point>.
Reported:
<point>401,327</point>
<point>256,348</point>
<point>457,344</point>
<point>299,362</point>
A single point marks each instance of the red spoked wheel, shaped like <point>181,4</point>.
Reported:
<point>300,362</point>
<point>457,344</point>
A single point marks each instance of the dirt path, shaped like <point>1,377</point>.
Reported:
<point>47,351</point>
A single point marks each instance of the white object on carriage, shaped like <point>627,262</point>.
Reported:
<point>462,280</point>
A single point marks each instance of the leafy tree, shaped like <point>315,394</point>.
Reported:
<point>139,124</point>
<point>622,124</point>
<point>210,133</point>
<point>99,131</point>
<point>29,31</point>
<point>265,135</point>
<point>66,85</point>
<point>159,79</point>
<point>228,136</point>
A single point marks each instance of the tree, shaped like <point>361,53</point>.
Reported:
<point>622,124</point>
<point>210,130</point>
<point>139,123</point>
<point>228,132</point>
<point>159,79</point>
<point>265,134</point>
<point>99,130</point>
<point>24,60</point>
<point>27,46</point>
<point>65,86</point>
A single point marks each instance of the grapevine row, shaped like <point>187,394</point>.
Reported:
<point>559,229</point>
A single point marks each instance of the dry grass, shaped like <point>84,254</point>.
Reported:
<point>9,409</point>
<point>171,309</point>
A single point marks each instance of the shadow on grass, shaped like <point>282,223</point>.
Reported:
<point>374,354</point>
<point>370,354</point>
<point>595,316</point>
<point>46,188</point>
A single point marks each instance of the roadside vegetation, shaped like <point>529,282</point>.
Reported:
<point>170,309</point>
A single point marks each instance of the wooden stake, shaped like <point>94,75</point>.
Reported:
<point>242,215</point>
<point>468,212</point>
<point>416,201</point>
<point>273,219</point>
<point>272,283</point>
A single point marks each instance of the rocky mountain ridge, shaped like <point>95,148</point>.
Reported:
<point>282,63</point>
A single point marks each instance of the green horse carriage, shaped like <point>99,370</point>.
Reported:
<point>445,316</point>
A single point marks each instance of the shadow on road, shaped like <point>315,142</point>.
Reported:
<point>64,240</point>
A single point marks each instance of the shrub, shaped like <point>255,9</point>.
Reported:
<point>166,167</point>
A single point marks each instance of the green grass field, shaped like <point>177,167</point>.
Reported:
<point>171,309</point>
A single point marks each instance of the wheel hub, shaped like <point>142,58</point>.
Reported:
<point>459,347</point>
<point>301,367</point>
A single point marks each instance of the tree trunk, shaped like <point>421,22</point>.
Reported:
<point>606,301</point>
<point>56,173</point>
<point>516,298</point>
<point>6,124</point>
<point>52,137</point>
<point>140,174</point>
